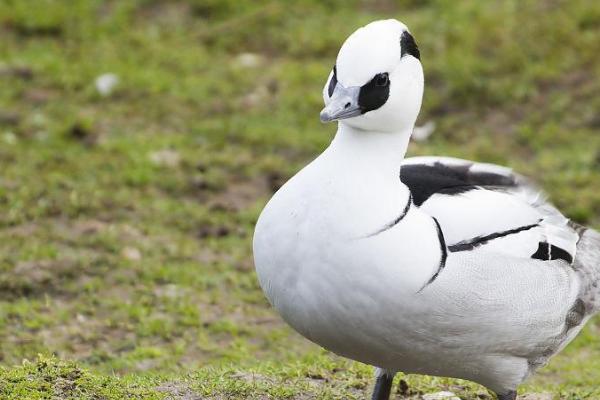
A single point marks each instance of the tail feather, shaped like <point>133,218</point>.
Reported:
<point>587,264</point>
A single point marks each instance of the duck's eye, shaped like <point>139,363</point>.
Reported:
<point>382,79</point>
<point>374,93</point>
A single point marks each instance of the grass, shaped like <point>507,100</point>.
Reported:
<point>126,222</point>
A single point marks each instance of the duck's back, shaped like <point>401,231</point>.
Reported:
<point>490,215</point>
<point>488,207</point>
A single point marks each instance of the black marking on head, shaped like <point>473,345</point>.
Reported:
<point>332,82</point>
<point>397,220</point>
<point>473,243</point>
<point>443,255</point>
<point>546,251</point>
<point>424,180</point>
<point>375,93</point>
<point>409,46</point>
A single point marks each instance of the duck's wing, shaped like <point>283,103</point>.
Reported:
<point>487,207</point>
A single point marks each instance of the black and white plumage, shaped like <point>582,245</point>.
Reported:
<point>488,207</point>
<point>430,265</point>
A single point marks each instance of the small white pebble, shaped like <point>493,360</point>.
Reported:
<point>165,158</point>
<point>9,137</point>
<point>169,291</point>
<point>441,396</point>
<point>105,83</point>
<point>257,97</point>
<point>131,253</point>
<point>422,133</point>
<point>38,120</point>
<point>249,60</point>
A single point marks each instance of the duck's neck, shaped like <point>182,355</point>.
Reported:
<point>378,153</point>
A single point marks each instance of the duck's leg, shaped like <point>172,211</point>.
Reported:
<point>383,384</point>
<point>512,395</point>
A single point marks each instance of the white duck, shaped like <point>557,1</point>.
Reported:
<point>456,269</point>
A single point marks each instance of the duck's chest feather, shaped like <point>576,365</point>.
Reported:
<point>344,255</point>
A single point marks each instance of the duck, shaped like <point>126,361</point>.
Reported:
<point>425,265</point>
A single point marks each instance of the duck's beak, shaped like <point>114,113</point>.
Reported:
<point>343,104</point>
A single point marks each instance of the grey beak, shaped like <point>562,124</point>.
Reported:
<point>343,104</point>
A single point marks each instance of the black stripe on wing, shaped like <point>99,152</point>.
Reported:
<point>547,251</point>
<point>396,220</point>
<point>473,243</point>
<point>424,180</point>
<point>443,254</point>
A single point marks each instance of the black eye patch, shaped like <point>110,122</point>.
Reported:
<point>332,82</point>
<point>375,93</point>
<point>409,46</point>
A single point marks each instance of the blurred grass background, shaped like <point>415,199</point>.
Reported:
<point>126,218</point>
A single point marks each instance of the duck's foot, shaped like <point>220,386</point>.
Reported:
<point>383,385</point>
<point>508,396</point>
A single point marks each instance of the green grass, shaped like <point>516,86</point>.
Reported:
<point>126,220</point>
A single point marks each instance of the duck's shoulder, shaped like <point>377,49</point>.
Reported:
<point>430,176</point>
<point>490,208</point>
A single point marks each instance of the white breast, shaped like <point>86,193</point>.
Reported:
<point>325,273</point>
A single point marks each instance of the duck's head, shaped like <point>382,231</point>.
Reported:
<point>377,81</point>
